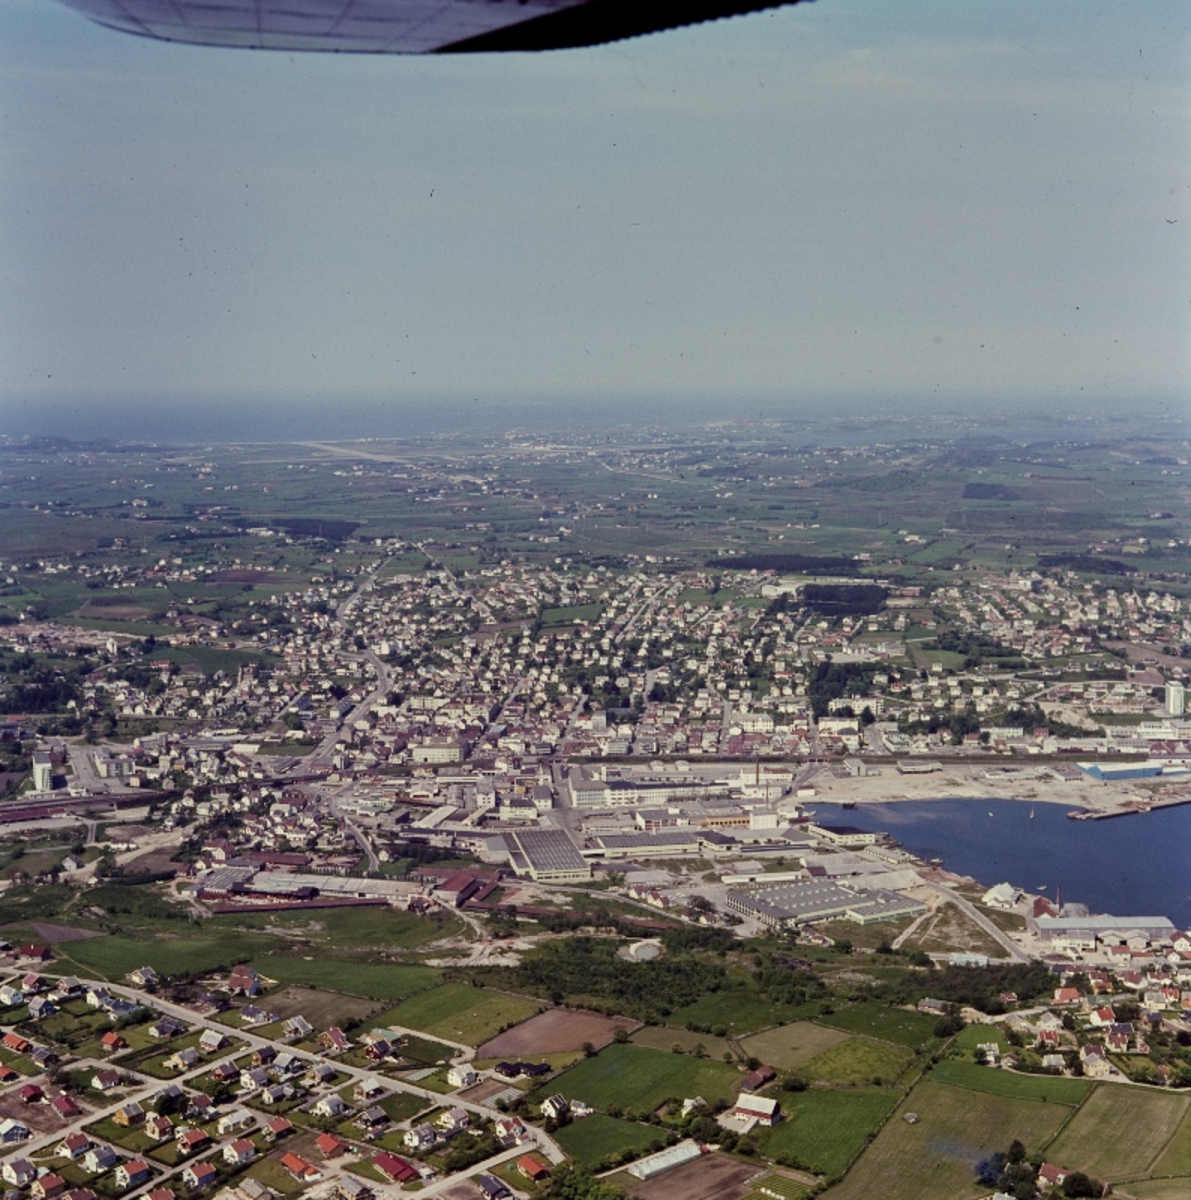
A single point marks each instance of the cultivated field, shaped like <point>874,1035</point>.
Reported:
<point>1047,1088</point>
<point>935,1158</point>
<point>792,1046</point>
<point>555,1031</point>
<point>1175,1158</point>
<point>1155,1189</point>
<point>823,1130</point>
<point>632,1077</point>
<point>591,1140</point>
<point>1119,1132</point>
<point>712,1177</point>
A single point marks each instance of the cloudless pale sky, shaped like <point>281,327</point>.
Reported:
<point>852,199</point>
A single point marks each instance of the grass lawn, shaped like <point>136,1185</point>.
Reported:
<point>825,1130</point>
<point>858,1060</point>
<point>591,1140</point>
<point>1120,1131</point>
<point>994,1082</point>
<point>934,1159</point>
<point>790,1047</point>
<point>972,1036</point>
<point>460,1012</point>
<point>889,1024</point>
<point>636,1078</point>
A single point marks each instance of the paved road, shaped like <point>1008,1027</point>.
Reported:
<point>971,911</point>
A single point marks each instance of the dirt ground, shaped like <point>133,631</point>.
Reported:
<point>710,1177</point>
<point>485,1090</point>
<point>319,1008</point>
<point>555,1031</point>
<point>61,933</point>
<point>41,1118</point>
<point>461,1191</point>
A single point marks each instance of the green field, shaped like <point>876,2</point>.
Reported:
<point>858,1060</point>
<point>935,1158</point>
<point>735,1010</point>
<point>790,1047</point>
<point>1120,1132</point>
<point>993,1082</point>
<point>633,1077</point>
<point>594,1139</point>
<point>460,1013</point>
<point>112,957</point>
<point>666,1037</point>
<point>371,980</point>
<point>889,1024</point>
<point>823,1130</point>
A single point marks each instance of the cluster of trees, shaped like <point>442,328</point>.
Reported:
<point>1012,1173</point>
<point>589,967</point>
<point>975,987</point>
<point>832,681</point>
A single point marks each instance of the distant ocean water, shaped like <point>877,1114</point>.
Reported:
<point>1137,865</point>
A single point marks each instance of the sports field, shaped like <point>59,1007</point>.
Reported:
<point>1120,1132</point>
<point>935,1157</point>
<point>633,1077</point>
<point>790,1047</point>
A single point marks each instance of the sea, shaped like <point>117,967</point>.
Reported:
<point>1130,866</point>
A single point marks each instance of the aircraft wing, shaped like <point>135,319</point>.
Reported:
<point>406,26</point>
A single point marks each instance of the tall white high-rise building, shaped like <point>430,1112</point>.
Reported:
<point>1176,698</point>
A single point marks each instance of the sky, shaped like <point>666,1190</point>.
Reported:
<point>849,202</point>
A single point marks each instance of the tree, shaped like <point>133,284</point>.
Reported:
<point>1079,1184</point>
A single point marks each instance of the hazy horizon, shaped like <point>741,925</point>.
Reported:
<point>840,202</point>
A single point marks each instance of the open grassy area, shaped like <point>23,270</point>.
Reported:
<point>665,1037</point>
<point>633,1077</point>
<point>790,1047</point>
<point>858,1060</point>
<point>1120,1131</point>
<point>374,981</point>
<point>888,1024</point>
<point>460,1012</point>
<point>594,1139</point>
<point>993,1082</point>
<point>824,1130</point>
<point>113,956</point>
<point>935,1158</point>
<point>737,1011</point>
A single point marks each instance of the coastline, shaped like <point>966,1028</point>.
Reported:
<point>1025,784</point>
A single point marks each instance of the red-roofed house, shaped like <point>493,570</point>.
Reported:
<point>394,1168</point>
<point>533,1168</point>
